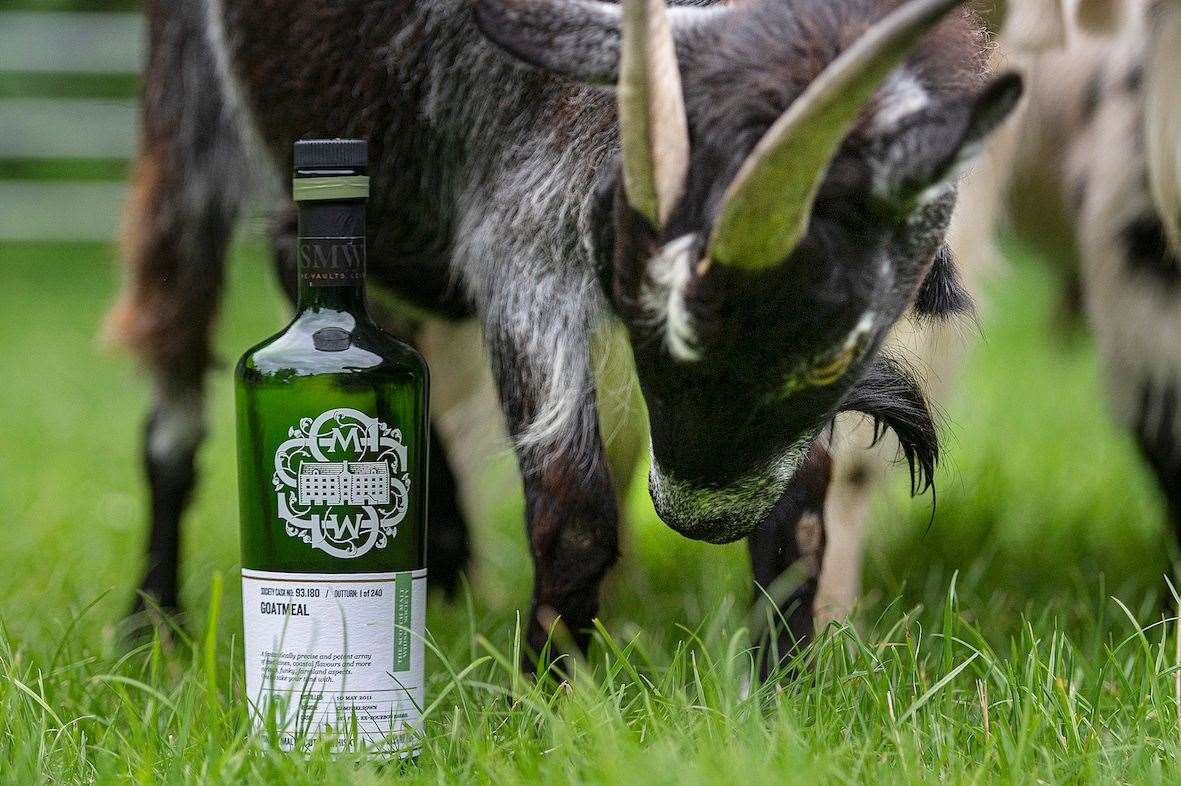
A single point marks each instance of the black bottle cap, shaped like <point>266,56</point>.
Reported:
<point>331,154</point>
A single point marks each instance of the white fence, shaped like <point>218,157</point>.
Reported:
<point>43,48</point>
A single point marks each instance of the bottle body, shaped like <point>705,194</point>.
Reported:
<point>332,428</point>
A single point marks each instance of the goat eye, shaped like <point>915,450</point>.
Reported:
<point>828,369</point>
<point>819,374</point>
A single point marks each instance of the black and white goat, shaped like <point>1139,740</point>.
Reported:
<point>760,198</point>
<point>1089,173</point>
<point>1102,139</point>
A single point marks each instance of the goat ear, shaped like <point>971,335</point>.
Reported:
<point>578,38</point>
<point>943,141</point>
<point>941,295</point>
<point>766,209</point>
<point>581,39</point>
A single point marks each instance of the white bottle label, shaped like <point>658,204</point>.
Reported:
<point>338,655</point>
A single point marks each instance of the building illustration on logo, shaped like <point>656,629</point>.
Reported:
<point>342,482</point>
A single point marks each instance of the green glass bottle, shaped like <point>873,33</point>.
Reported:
<point>332,471</point>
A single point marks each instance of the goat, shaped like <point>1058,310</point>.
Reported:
<point>759,200</point>
<point>1088,173</point>
<point>1115,172</point>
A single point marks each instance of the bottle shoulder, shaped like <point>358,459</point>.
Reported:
<point>332,343</point>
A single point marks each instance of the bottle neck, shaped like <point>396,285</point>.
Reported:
<point>330,253</point>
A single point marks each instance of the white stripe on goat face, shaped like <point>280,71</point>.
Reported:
<point>902,95</point>
<point>668,273</point>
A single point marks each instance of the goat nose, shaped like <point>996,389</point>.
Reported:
<point>710,514</point>
<point>717,530</point>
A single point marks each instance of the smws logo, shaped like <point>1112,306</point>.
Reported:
<point>332,261</point>
<point>342,482</point>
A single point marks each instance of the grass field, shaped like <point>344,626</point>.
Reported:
<point>1011,641</point>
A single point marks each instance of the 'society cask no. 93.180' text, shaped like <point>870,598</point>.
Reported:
<point>332,469</point>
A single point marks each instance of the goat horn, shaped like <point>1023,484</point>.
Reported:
<point>765,211</point>
<point>653,129</point>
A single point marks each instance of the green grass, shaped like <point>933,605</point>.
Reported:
<point>1011,641</point>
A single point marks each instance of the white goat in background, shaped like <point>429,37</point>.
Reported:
<point>1088,171</point>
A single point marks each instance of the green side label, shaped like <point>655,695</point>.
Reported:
<point>403,594</point>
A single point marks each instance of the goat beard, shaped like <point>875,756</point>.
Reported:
<point>893,399</point>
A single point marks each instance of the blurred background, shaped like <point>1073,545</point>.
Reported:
<point>1043,502</point>
<point>67,116</point>
<point>1045,513</point>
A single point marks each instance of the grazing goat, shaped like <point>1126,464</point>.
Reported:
<point>760,198</point>
<point>1105,120</point>
<point>1088,173</point>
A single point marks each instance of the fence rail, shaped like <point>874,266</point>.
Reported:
<point>67,110</point>
<point>67,128</point>
<point>93,43</point>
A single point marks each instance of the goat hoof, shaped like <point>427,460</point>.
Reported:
<point>148,621</point>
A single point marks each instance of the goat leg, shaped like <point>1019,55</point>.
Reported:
<point>570,510</point>
<point>786,551</point>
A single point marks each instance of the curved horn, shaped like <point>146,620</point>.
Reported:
<point>765,211</point>
<point>653,129</point>
<point>577,38</point>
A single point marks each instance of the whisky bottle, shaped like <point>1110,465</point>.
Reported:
<point>332,469</point>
